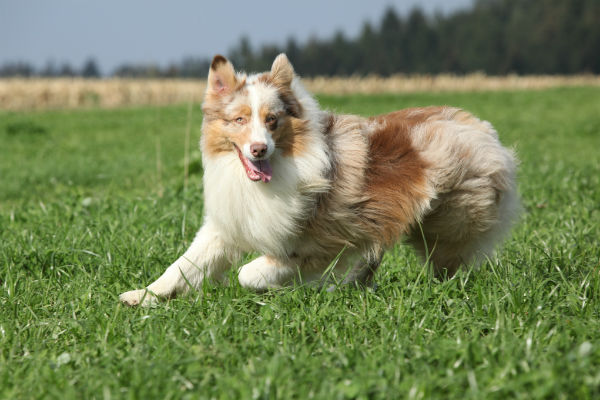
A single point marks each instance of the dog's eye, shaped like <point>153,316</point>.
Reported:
<point>270,119</point>
<point>240,120</point>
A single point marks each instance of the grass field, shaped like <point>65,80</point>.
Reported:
<point>93,203</point>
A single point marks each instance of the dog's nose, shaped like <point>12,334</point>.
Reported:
<point>258,149</point>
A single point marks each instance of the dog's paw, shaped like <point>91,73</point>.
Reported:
<point>261,274</point>
<point>138,297</point>
<point>253,279</point>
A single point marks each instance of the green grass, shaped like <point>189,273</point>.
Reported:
<point>92,203</point>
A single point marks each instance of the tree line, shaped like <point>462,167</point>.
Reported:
<point>493,36</point>
<point>89,69</point>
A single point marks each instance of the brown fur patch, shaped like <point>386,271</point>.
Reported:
<point>292,105</point>
<point>290,102</point>
<point>395,178</point>
<point>213,142</point>
<point>219,136</point>
<point>263,112</point>
<point>242,111</point>
<point>291,136</point>
<point>265,78</point>
<point>414,116</point>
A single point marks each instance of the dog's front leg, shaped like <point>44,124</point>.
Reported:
<point>207,257</point>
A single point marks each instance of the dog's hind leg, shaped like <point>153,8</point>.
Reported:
<point>207,257</point>
<point>364,268</point>
<point>467,225</point>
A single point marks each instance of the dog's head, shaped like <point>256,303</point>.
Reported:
<point>253,116</point>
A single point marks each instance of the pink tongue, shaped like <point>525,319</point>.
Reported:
<point>256,170</point>
<point>262,168</point>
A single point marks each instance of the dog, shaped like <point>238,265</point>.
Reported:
<point>322,196</point>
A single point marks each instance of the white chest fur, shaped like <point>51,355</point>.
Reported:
<point>255,216</point>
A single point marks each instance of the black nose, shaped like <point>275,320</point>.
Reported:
<point>258,149</point>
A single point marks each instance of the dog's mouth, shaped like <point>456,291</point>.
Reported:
<point>259,170</point>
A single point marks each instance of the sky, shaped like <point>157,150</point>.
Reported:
<point>114,32</point>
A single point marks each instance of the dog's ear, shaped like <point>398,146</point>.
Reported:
<point>221,76</point>
<point>282,71</point>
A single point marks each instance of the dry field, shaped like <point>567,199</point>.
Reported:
<point>37,93</point>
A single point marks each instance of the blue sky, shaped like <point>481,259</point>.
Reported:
<point>144,31</point>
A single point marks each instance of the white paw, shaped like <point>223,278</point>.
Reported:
<point>260,274</point>
<point>137,297</point>
<point>253,279</point>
